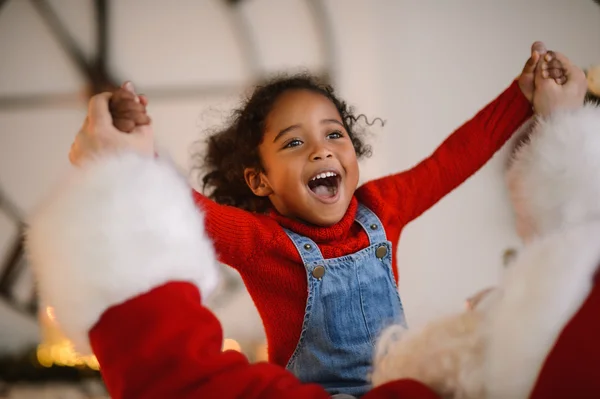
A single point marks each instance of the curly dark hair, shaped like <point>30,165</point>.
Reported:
<point>233,149</point>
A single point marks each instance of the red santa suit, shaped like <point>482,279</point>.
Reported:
<point>120,252</point>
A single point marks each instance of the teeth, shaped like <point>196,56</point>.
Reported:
<point>324,175</point>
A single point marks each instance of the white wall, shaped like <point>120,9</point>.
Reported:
<point>442,62</point>
<point>425,66</point>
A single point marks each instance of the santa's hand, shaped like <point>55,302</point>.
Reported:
<point>98,135</point>
<point>552,68</point>
<point>475,300</point>
<point>550,97</point>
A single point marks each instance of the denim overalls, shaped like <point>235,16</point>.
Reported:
<point>350,300</point>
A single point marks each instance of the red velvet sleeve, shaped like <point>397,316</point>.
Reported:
<point>166,344</point>
<point>463,153</point>
<point>572,368</point>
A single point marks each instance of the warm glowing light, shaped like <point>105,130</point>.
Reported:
<point>93,363</point>
<point>43,356</point>
<point>231,344</point>
<point>56,349</point>
<point>262,353</point>
<point>50,313</point>
<point>63,354</point>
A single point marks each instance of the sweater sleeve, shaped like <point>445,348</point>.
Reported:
<point>172,349</point>
<point>236,233</point>
<point>463,153</point>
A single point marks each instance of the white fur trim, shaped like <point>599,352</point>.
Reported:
<point>446,356</point>
<point>554,180</point>
<point>114,229</point>
<point>543,290</point>
<point>498,350</point>
<point>520,137</point>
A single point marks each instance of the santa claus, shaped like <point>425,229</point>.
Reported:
<point>120,253</point>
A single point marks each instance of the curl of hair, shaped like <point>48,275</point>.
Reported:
<point>233,149</point>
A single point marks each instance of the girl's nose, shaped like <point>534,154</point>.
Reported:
<point>321,153</point>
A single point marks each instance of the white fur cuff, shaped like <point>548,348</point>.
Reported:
<point>555,179</point>
<point>114,229</point>
<point>540,293</point>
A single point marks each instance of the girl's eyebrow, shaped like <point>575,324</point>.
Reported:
<point>284,131</point>
<point>337,122</point>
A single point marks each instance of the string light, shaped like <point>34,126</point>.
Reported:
<point>56,349</point>
<point>231,344</point>
<point>63,354</point>
<point>50,313</point>
<point>261,353</point>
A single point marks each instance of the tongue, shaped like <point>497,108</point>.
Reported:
<point>324,191</point>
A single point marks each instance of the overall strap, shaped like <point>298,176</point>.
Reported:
<point>371,224</point>
<point>308,250</point>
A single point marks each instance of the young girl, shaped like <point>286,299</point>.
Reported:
<point>315,251</point>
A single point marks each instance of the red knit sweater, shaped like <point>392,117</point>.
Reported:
<point>259,249</point>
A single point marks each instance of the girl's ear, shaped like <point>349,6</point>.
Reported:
<point>258,183</point>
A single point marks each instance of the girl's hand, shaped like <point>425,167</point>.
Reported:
<point>127,109</point>
<point>553,66</point>
<point>99,135</point>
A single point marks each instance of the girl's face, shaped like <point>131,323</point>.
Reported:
<point>310,166</point>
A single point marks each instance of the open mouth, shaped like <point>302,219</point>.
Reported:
<point>325,185</point>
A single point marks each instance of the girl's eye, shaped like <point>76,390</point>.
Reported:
<point>335,135</point>
<point>293,143</point>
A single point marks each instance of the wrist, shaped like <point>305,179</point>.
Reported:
<point>527,93</point>
<point>560,108</point>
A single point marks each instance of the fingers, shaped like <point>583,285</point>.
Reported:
<point>537,50</point>
<point>128,87</point>
<point>531,63</point>
<point>139,118</point>
<point>538,47</point>
<point>572,72</point>
<point>123,95</point>
<point>552,69</point>
<point>142,119</point>
<point>127,109</point>
<point>541,76</point>
<point>75,153</point>
<point>72,158</point>
<point>567,66</point>
<point>124,124</point>
<point>121,106</point>
<point>143,100</point>
<point>131,110</point>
